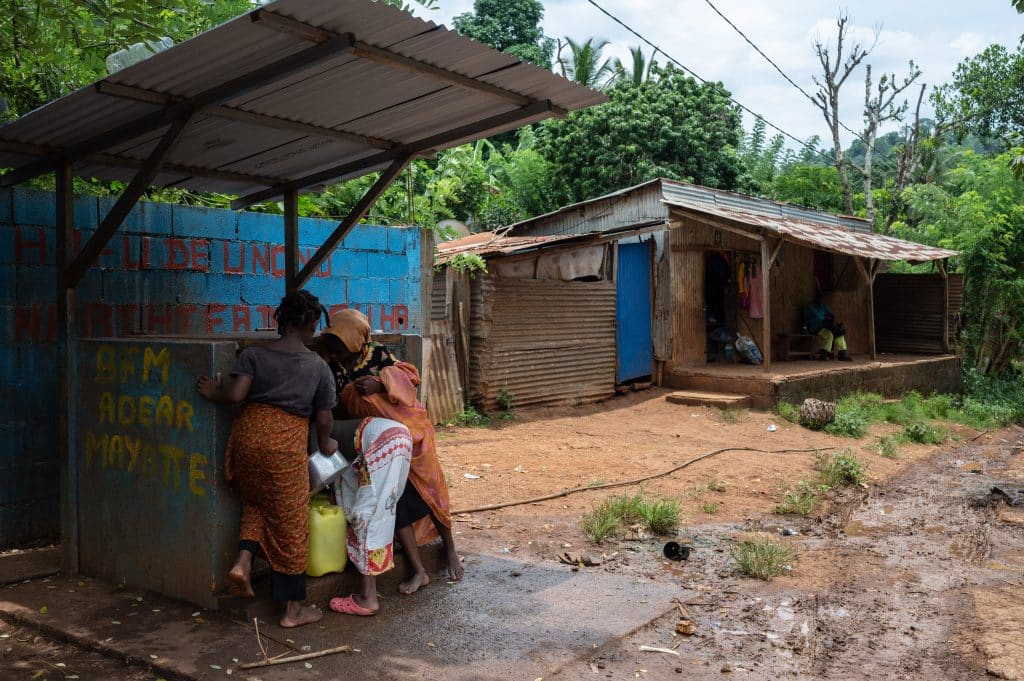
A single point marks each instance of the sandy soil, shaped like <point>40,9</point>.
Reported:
<point>920,575</point>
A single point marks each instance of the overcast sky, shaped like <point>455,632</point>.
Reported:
<point>936,34</point>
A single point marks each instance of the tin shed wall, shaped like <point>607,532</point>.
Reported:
<point>620,211</point>
<point>546,342</point>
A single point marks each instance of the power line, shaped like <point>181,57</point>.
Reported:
<point>693,73</point>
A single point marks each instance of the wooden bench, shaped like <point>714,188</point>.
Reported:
<point>795,345</point>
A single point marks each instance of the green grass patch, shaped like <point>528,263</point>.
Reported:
<point>839,469</point>
<point>469,418</point>
<point>614,514</point>
<point>848,424</point>
<point>788,411</point>
<point>732,414</point>
<point>763,558</point>
<point>711,507</point>
<point>888,447</point>
<point>801,500</point>
<point>924,434</point>
<point>715,485</point>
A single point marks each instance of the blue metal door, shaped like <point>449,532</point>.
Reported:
<point>633,341</point>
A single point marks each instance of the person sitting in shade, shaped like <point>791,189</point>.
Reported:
<point>820,321</point>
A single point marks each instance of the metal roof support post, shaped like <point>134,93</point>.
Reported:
<point>291,240</point>
<point>766,290</point>
<point>67,440</point>
<point>372,194</point>
<point>129,197</point>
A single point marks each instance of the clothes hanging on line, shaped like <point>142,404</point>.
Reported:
<point>754,285</point>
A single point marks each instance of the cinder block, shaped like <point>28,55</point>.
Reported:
<point>366,290</point>
<point>34,245</point>
<point>10,366</point>
<point>314,231</point>
<point>398,292</point>
<point>90,288</point>
<point>6,207</point>
<point>8,283</point>
<point>15,526</point>
<point>366,238</point>
<point>350,264</point>
<point>261,289</point>
<point>204,222</point>
<point>33,207</point>
<point>85,213</point>
<point>16,488</point>
<point>122,287</point>
<point>265,227</point>
<point>36,285</point>
<point>44,516</point>
<point>387,265</point>
<point>6,244</point>
<point>330,290</point>
<point>148,217</point>
<point>399,238</point>
<point>159,287</point>
<point>198,287</point>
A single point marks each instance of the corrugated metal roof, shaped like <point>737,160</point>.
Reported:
<point>493,243</point>
<point>824,237</point>
<point>264,135</point>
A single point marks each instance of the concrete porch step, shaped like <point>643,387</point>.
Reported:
<point>697,398</point>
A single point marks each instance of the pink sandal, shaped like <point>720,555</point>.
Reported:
<point>348,606</point>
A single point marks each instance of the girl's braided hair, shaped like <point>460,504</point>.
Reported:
<point>297,309</point>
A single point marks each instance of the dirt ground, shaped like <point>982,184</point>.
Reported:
<point>920,575</point>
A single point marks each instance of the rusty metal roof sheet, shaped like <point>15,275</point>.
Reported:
<point>825,237</point>
<point>495,243</point>
<point>385,79</point>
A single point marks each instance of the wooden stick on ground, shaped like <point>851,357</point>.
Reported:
<point>296,658</point>
<point>259,640</point>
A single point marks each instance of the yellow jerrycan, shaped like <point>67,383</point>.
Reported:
<point>327,552</point>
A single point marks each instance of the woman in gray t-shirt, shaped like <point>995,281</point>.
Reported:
<point>282,384</point>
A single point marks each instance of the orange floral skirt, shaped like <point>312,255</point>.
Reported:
<point>266,462</point>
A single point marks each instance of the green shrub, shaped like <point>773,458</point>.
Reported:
<point>924,434</point>
<point>788,411</point>
<point>839,469</point>
<point>599,524</point>
<point>763,558</point>
<point>711,507</point>
<point>887,447</point>
<point>469,418</point>
<point>848,424</point>
<point>506,400</point>
<point>801,500</point>
<point>660,515</point>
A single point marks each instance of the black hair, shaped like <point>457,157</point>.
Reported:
<point>297,309</point>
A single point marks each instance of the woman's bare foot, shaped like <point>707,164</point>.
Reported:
<point>455,569</point>
<point>364,601</point>
<point>240,577</point>
<point>410,586</point>
<point>296,615</point>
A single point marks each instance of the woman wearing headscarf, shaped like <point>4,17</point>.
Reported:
<point>281,385</point>
<point>371,382</point>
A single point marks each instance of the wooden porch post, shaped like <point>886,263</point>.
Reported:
<point>67,445</point>
<point>766,294</point>
<point>945,304</point>
<point>869,272</point>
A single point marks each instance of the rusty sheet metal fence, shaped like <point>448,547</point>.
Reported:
<point>545,342</point>
<point>909,312</point>
<point>443,388</point>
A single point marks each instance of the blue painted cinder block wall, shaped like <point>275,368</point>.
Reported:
<point>169,269</point>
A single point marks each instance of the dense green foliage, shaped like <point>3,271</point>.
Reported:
<point>671,126</point>
<point>987,93</point>
<point>53,47</point>
<point>511,26</point>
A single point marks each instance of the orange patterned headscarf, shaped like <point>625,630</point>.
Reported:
<point>352,327</point>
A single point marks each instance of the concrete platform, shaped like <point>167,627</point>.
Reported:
<point>29,564</point>
<point>508,619</point>
<point>889,375</point>
<point>709,399</point>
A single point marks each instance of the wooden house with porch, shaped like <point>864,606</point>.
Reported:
<point>626,287</point>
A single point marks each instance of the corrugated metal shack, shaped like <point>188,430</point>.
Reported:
<point>552,337</point>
